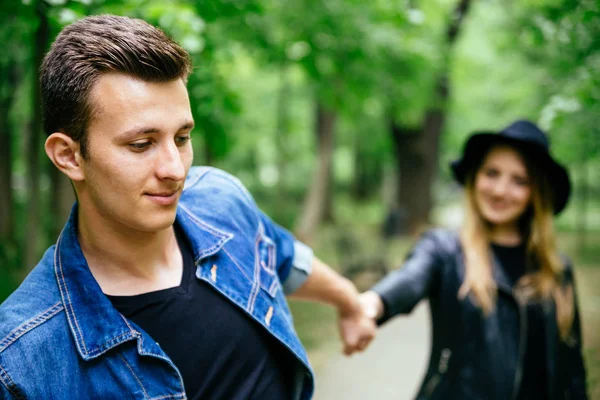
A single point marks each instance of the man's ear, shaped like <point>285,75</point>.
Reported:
<point>65,153</point>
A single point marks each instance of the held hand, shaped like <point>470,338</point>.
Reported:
<point>356,329</point>
<point>371,304</point>
<point>327,286</point>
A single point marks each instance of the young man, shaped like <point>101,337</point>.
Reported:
<point>167,281</point>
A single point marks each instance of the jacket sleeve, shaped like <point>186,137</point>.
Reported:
<point>574,366</point>
<point>293,258</point>
<point>402,289</point>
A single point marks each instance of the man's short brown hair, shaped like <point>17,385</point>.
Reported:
<point>94,45</point>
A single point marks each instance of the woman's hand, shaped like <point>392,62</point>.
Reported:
<point>371,304</point>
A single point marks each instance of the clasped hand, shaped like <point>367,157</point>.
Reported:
<point>357,326</point>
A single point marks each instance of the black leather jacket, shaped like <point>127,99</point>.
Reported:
<point>472,356</point>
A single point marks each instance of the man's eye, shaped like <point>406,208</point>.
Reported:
<point>139,145</point>
<point>181,140</point>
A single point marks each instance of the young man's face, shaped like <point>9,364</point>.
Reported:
<point>139,152</point>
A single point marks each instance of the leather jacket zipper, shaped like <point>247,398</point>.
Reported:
<point>522,337</point>
<point>432,384</point>
<point>435,380</point>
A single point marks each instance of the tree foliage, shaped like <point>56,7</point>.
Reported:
<point>263,67</point>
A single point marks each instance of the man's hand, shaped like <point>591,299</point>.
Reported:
<point>357,330</point>
<point>358,327</point>
<point>327,286</point>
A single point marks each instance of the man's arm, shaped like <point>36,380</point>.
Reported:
<point>303,276</point>
<point>327,286</point>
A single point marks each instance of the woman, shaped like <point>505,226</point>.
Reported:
<point>503,304</point>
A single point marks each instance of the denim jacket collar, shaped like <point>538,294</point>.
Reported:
<point>95,324</point>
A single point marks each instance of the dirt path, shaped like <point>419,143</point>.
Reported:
<point>391,369</point>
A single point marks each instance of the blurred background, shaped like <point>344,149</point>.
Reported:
<point>340,116</point>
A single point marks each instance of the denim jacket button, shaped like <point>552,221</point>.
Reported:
<point>213,273</point>
<point>269,316</point>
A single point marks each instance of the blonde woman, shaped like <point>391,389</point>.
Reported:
<point>503,302</point>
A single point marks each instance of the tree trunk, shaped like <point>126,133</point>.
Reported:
<point>316,200</point>
<point>7,223</point>
<point>417,150</point>
<point>328,210</point>
<point>11,70</point>
<point>368,170</point>
<point>32,233</point>
<point>282,127</point>
<point>361,187</point>
<point>6,203</point>
<point>413,195</point>
<point>582,209</point>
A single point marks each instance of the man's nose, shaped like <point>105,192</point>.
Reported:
<point>170,164</point>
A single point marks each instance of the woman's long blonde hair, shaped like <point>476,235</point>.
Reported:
<point>537,227</point>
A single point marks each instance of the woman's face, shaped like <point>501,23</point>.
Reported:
<point>502,187</point>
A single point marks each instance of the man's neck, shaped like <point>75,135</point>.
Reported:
<point>127,262</point>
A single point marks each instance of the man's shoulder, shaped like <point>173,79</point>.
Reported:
<point>213,181</point>
<point>219,202</point>
<point>212,189</point>
<point>36,301</point>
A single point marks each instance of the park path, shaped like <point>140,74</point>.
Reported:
<point>390,369</point>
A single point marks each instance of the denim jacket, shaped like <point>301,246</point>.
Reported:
<point>61,338</point>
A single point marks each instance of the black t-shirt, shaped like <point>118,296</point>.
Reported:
<point>534,382</point>
<point>221,352</point>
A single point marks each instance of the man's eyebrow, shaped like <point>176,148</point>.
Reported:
<point>187,125</point>
<point>146,130</point>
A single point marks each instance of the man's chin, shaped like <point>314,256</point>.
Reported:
<point>157,224</point>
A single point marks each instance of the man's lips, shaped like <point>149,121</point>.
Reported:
<point>163,198</point>
<point>162,194</point>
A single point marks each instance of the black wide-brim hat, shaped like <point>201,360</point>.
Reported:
<point>523,135</point>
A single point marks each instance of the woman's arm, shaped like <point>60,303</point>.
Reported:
<point>402,289</point>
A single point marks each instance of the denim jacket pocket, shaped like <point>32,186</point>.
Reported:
<point>266,254</point>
